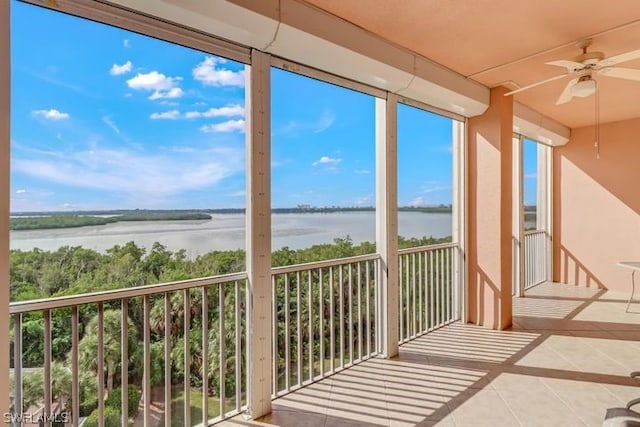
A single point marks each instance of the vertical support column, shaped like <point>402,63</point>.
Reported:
<point>5,91</point>
<point>490,199</point>
<point>459,214</point>
<point>387,220</point>
<point>518,218</point>
<point>258,225</point>
<point>544,203</point>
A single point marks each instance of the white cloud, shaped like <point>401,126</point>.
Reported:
<point>417,201</point>
<point>364,201</point>
<point>161,85</point>
<point>325,122</point>
<point>21,191</point>
<point>117,70</point>
<point>166,115</point>
<point>209,73</point>
<point>51,114</point>
<point>434,188</point>
<point>233,110</point>
<point>111,124</point>
<point>175,92</point>
<point>126,43</point>
<point>325,160</point>
<point>295,127</point>
<point>362,171</point>
<point>225,127</point>
<point>119,172</point>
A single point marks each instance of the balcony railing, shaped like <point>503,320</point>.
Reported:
<point>182,346</point>
<point>324,319</point>
<point>428,296</point>
<point>535,258</point>
<point>174,323</point>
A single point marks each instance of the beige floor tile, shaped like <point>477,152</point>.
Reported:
<point>539,407</point>
<point>484,406</point>
<point>623,393</point>
<point>522,383</point>
<point>337,421</point>
<point>351,416</point>
<point>588,400</point>
<point>294,419</point>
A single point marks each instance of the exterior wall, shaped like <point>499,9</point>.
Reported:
<point>490,146</point>
<point>597,206</point>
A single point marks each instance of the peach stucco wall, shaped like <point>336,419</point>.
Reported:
<point>597,206</point>
<point>489,212</point>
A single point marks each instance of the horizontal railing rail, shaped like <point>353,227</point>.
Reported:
<point>324,319</point>
<point>535,258</point>
<point>322,264</point>
<point>428,289</point>
<point>119,294</point>
<point>418,249</point>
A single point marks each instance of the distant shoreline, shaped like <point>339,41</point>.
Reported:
<point>299,209</point>
<point>44,221</point>
<point>22,221</point>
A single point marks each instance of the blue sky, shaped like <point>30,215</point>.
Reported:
<point>103,118</point>
<point>530,170</point>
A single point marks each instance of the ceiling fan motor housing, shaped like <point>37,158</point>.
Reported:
<point>588,59</point>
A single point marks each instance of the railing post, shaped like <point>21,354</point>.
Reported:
<point>258,243</point>
<point>5,91</point>
<point>520,251</point>
<point>545,204</point>
<point>387,221</point>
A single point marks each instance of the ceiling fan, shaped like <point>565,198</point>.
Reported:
<point>582,67</point>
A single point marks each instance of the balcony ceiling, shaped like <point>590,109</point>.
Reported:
<point>506,42</point>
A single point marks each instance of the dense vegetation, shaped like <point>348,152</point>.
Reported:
<point>70,221</point>
<point>40,274</point>
<point>52,220</point>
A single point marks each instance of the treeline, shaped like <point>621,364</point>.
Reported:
<point>38,274</point>
<point>72,221</point>
<point>70,270</point>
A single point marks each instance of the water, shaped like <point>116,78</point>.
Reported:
<point>227,231</point>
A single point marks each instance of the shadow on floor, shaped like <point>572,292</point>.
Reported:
<point>565,360</point>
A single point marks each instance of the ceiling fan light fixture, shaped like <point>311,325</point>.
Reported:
<point>584,88</point>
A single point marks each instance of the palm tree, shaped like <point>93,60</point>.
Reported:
<point>33,386</point>
<point>112,351</point>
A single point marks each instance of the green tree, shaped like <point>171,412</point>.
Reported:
<point>88,346</point>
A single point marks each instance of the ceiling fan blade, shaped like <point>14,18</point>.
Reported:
<point>621,73</point>
<point>536,84</point>
<point>623,57</point>
<point>569,65</point>
<point>566,96</point>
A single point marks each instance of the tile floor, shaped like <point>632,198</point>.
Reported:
<point>566,359</point>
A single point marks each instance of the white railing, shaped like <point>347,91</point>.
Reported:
<point>535,258</point>
<point>324,319</point>
<point>151,337</point>
<point>428,295</point>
